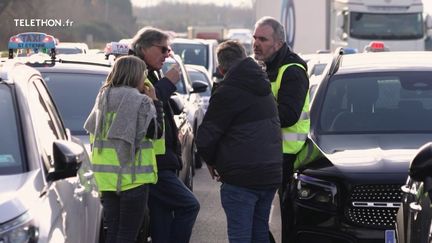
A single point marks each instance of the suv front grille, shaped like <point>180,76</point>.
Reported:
<point>374,205</point>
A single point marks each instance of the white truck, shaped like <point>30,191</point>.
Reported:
<point>313,25</point>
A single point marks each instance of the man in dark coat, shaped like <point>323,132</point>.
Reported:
<point>288,74</point>
<point>240,141</point>
<point>173,207</point>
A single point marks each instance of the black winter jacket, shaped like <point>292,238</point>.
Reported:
<point>171,160</point>
<point>240,134</point>
<point>294,85</point>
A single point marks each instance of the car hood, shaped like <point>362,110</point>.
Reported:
<point>381,156</point>
<point>17,194</point>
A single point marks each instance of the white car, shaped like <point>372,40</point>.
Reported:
<point>48,193</point>
<point>197,51</point>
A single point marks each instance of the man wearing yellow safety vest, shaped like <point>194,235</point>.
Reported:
<point>173,207</point>
<point>287,73</point>
<point>121,126</point>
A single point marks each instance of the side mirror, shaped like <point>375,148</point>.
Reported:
<point>199,86</point>
<point>177,104</point>
<point>68,157</point>
<point>421,165</point>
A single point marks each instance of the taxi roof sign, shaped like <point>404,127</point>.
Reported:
<point>31,40</point>
<point>116,48</point>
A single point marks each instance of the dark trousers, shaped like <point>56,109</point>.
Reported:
<point>284,197</point>
<point>247,211</point>
<point>124,213</point>
<point>173,209</point>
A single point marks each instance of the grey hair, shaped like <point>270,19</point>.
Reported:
<point>278,28</point>
<point>127,71</point>
<point>229,53</point>
<point>146,37</point>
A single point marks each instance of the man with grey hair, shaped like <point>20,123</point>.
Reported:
<point>173,207</point>
<point>240,141</point>
<point>290,85</point>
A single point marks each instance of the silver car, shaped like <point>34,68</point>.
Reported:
<point>47,191</point>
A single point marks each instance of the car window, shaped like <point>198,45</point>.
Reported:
<point>10,147</point>
<point>74,94</point>
<point>197,75</point>
<point>69,51</point>
<point>48,127</point>
<point>397,102</point>
<point>192,53</point>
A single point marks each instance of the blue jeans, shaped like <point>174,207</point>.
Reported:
<point>247,211</point>
<point>124,213</point>
<point>173,209</point>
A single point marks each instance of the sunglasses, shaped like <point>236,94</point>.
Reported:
<point>164,49</point>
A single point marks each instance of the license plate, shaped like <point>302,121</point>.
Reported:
<point>390,236</point>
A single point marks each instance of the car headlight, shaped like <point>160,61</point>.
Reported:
<point>21,229</point>
<point>316,192</point>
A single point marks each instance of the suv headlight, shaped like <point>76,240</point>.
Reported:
<point>316,192</point>
<point>21,229</point>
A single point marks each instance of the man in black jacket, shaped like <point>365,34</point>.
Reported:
<point>240,141</point>
<point>173,207</point>
<point>290,85</point>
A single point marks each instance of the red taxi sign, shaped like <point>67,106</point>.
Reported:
<point>376,46</point>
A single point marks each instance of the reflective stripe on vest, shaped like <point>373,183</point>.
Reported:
<point>110,175</point>
<point>294,136</point>
<point>159,144</point>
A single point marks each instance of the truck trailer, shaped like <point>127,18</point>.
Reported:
<point>313,25</point>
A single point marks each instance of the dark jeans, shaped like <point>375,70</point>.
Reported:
<point>124,213</point>
<point>173,209</point>
<point>247,211</point>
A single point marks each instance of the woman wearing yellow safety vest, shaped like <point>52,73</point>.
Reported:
<point>124,119</point>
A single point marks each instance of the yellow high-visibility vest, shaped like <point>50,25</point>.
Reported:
<point>293,137</point>
<point>108,172</point>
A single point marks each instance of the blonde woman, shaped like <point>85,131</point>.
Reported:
<point>124,119</point>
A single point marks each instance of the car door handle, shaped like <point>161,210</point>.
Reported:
<point>415,207</point>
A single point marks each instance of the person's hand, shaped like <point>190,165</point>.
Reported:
<point>214,174</point>
<point>149,90</point>
<point>174,74</point>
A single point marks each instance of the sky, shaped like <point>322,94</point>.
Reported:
<point>245,3</point>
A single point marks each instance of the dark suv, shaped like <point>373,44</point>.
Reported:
<point>370,114</point>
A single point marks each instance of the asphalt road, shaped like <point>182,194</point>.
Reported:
<point>210,226</point>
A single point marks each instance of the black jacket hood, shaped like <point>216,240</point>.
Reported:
<point>249,76</point>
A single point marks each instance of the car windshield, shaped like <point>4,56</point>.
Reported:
<point>74,95</point>
<point>384,102</point>
<point>10,147</point>
<point>386,26</point>
<point>192,53</point>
